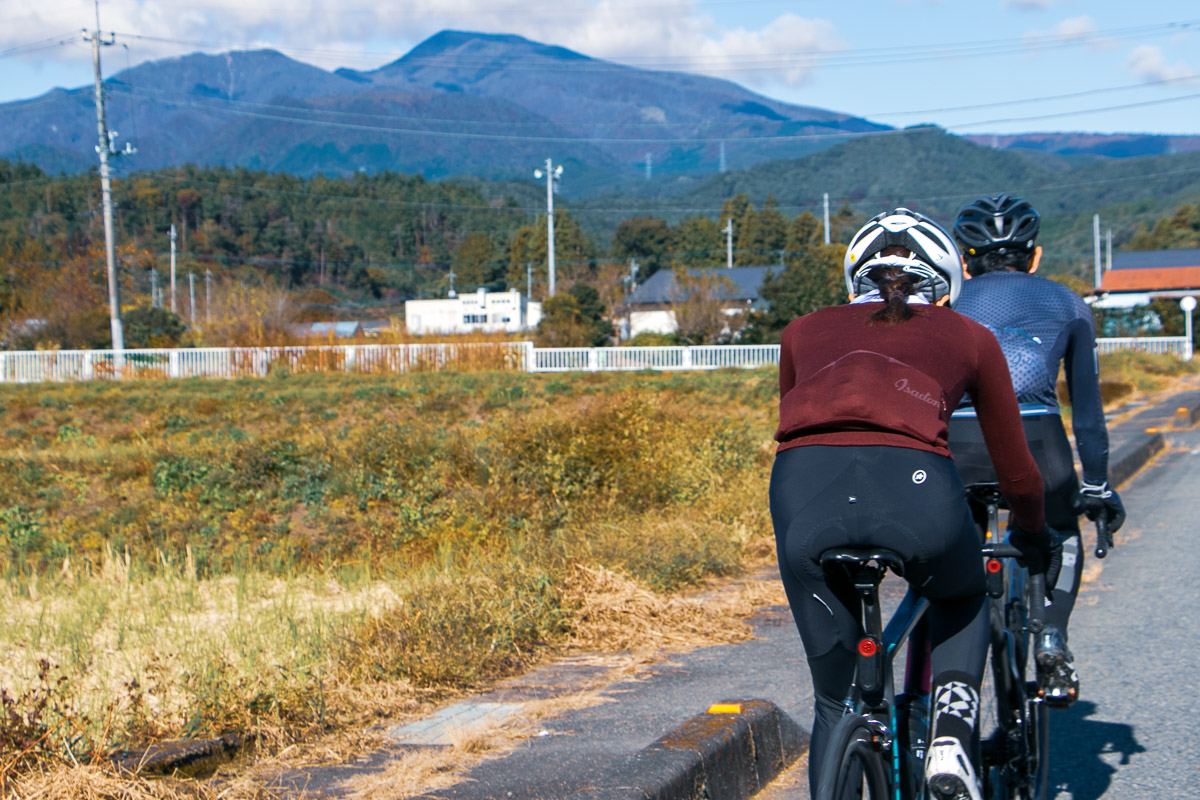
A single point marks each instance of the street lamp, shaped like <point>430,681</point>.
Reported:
<point>551,174</point>
<point>1188,304</point>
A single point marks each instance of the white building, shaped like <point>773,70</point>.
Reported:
<point>477,312</point>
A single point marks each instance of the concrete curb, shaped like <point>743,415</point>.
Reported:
<point>712,756</point>
<point>1147,440</point>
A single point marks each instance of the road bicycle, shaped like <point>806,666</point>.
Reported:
<point>877,748</point>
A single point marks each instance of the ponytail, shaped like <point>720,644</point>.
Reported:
<point>895,287</point>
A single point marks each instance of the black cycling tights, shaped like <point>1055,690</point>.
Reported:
<point>1048,443</point>
<point>905,500</point>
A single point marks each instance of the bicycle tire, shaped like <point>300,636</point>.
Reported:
<point>852,766</point>
<point>996,717</point>
<point>1036,786</point>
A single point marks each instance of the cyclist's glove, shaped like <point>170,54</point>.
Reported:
<point>1097,500</point>
<point>1040,553</point>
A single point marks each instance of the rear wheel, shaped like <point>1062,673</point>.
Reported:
<point>853,766</point>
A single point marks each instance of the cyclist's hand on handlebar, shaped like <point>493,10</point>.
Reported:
<point>1041,553</point>
<point>1097,500</point>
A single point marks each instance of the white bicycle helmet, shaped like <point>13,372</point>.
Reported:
<point>933,259</point>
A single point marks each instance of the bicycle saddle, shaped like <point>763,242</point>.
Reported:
<point>853,555</point>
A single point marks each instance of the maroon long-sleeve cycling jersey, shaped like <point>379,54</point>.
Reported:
<point>845,381</point>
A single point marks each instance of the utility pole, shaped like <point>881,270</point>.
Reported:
<point>451,294</point>
<point>105,148</point>
<point>207,296</point>
<point>1108,253</point>
<point>729,243</point>
<point>633,271</point>
<point>649,165</point>
<point>827,218</point>
<point>192,295</point>
<point>552,175</point>
<point>722,167</point>
<point>1096,240</point>
<point>528,280</point>
<point>173,311</point>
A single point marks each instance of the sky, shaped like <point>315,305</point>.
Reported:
<point>970,66</point>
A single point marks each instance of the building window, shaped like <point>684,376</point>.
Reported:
<point>474,319</point>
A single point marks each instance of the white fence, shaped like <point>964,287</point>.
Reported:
<point>611,359</point>
<point>1179,346</point>
<point>231,362</point>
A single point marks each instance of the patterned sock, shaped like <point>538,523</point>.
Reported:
<point>955,706</point>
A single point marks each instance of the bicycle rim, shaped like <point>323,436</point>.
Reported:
<point>853,767</point>
<point>1038,720</point>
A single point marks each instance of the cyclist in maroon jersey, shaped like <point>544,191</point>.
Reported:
<point>866,392</point>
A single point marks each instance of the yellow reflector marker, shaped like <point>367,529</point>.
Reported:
<point>725,708</point>
<point>1151,430</point>
<point>1182,410</point>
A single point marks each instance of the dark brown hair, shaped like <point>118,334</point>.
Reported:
<point>895,287</point>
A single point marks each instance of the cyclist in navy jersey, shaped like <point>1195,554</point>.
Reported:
<point>1039,324</point>
<point>866,391</point>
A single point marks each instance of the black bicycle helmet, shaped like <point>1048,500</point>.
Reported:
<point>933,261</point>
<point>999,224</point>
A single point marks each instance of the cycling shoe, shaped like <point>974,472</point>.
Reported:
<point>1058,681</point>
<point>948,771</point>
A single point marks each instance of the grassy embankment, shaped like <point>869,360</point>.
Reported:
<point>293,554</point>
<point>297,554</point>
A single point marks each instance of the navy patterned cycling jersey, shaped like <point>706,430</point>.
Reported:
<point>1040,324</point>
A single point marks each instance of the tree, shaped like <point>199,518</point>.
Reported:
<point>761,235</point>
<point>699,308</point>
<point>475,262</point>
<point>573,252</point>
<point>574,319</point>
<point>1177,232</point>
<point>148,326</point>
<point>698,243</point>
<point>813,282</point>
<point>647,239</point>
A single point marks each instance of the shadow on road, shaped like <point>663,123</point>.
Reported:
<point>1076,744</point>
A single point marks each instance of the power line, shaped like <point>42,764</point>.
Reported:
<point>754,61</point>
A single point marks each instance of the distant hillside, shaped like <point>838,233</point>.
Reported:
<point>1116,145</point>
<point>460,103</point>
<point>931,171</point>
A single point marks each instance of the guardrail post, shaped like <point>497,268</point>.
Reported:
<point>351,357</point>
<point>593,360</point>
<point>173,363</point>
<point>89,366</point>
<point>530,357</point>
<point>686,360</point>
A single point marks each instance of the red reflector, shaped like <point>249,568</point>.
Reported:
<point>867,647</point>
<point>994,565</point>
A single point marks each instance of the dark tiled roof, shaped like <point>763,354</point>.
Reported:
<point>1156,259</point>
<point>661,287</point>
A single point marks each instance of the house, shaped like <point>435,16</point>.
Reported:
<point>1139,276</point>
<point>322,330</point>
<point>479,311</point>
<point>651,304</point>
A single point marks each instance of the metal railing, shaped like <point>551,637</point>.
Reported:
<point>233,362</point>
<point>1180,346</point>
<point>611,359</point>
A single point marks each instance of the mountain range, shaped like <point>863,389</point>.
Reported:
<point>485,105</point>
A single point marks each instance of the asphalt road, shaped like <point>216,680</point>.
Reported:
<point>1133,735</point>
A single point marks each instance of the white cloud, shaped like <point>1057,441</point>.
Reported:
<point>1150,64</point>
<point>669,34</point>
<point>1030,5</point>
<point>1072,30</point>
<point>1075,28</point>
